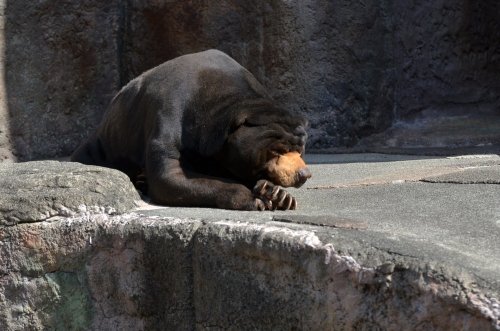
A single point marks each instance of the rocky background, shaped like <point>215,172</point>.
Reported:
<point>368,74</point>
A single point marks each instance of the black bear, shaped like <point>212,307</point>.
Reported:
<point>201,131</point>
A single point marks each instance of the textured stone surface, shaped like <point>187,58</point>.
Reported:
<point>40,190</point>
<point>448,58</point>
<point>329,60</point>
<point>96,273</point>
<point>473,175</point>
<point>446,65</point>
<point>250,277</point>
<point>60,69</point>
<point>138,273</point>
<point>371,74</point>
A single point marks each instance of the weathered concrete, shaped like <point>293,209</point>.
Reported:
<point>373,245</point>
<point>474,175</point>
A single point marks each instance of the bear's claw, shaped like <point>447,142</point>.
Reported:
<point>273,197</point>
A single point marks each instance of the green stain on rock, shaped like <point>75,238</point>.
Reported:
<point>72,309</point>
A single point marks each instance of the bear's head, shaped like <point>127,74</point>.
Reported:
<point>267,143</point>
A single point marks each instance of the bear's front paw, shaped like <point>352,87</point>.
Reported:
<point>273,197</point>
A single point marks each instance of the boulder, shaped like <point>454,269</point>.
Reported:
<point>44,190</point>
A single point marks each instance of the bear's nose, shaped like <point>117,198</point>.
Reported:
<point>303,175</point>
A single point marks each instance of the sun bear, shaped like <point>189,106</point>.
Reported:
<point>201,131</point>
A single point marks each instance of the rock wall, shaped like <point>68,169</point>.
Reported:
<point>60,70</point>
<point>107,277</point>
<point>371,73</point>
<point>329,60</point>
<point>447,64</point>
<point>447,56</point>
<point>43,190</point>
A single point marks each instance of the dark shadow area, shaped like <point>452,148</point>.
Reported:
<point>447,91</point>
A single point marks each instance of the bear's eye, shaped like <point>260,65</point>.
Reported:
<point>279,150</point>
<point>271,154</point>
<point>250,124</point>
<point>274,153</point>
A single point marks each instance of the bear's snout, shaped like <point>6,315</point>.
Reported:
<point>288,170</point>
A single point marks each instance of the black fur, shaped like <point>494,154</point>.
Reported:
<point>199,128</point>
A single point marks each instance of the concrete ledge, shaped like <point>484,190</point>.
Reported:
<point>132,272</point>
<point>271,277</point>
<point>375,245</point>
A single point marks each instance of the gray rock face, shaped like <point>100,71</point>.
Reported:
<point>60,69</point>
<point>446,65</point>
<point>329,60</point>
<point>447,57</point>
<point>370,74</point>
<point>35,191</point>
<point>132,272</point>
<point>108,273</point>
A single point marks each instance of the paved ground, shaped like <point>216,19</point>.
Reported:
<point>442,211</point>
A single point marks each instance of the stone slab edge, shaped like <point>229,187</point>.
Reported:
<point>223,274</point>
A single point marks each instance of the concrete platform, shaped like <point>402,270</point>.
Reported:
<point>435,213</point>
<point>379,242</point>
